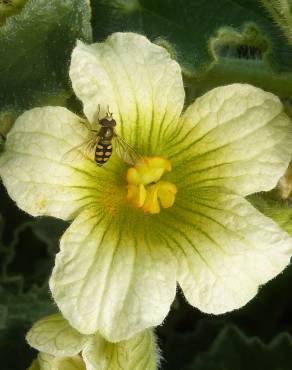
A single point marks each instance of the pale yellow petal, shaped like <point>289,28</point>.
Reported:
<point>113,275</point>
<point>235,136</point>
<point>35,170</point>
<point>136,80</point>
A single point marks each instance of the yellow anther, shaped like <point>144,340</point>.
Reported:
<point>148,171</point>
<point>144,188</point>
<point>166,193</point>
<point>136,195</point>
<point>151,204</point>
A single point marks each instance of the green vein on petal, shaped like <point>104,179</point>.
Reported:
<point>48,362</point>
<point>139,82</point>
<point>112,275</point>
<point>225,248</point>
<point>55,336</point>
<point>62,347</point>
<point>236,136</point>
<point>137,353</point>
<point>36,171</point>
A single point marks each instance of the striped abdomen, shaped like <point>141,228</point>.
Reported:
<point>103,151</point>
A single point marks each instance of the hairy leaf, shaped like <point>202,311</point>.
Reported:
<point>233,350</point>
<point>35,48</point>
<point>215,42</point>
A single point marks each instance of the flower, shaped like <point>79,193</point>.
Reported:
<point>121,257</point>
<point>62,347</point>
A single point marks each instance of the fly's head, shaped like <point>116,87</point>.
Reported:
<point>108,120</point>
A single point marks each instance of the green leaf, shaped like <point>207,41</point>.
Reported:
<point>215,42</point>
<point>25,308</point>
<point>288,107</point>
<point>17,314</point>
<point>28,258</point>
<point>279,211</point>
<point>35,48</point>
<point>49,230</point>
<point>1,228</point>
<point>233,350</point>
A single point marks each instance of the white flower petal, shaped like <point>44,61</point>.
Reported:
<point>55,336</point>
<point>70,363</point>
<point>137,353</point>
<point>235,136</point>
<point>225,248</point>
<point>111,277</point>
<point>33,168</point>
<point>49,362</point>
<point>137,80</point>
<point>46,362</point>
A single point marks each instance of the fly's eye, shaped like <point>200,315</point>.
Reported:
<point>104,122</point>
<point>107,122</point>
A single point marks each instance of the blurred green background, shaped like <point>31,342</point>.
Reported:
<point>215,43</point>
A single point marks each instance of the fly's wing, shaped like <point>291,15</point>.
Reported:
<point>86,149</point>
<point>127,153</point>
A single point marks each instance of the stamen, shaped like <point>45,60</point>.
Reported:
<point>144,188</point>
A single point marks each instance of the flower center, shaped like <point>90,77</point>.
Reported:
<point>146,190</point>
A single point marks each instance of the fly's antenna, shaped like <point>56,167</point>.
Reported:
<point>108,113</point>
<point>98,111</point>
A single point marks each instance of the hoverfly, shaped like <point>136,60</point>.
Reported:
<point>103,140</point>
